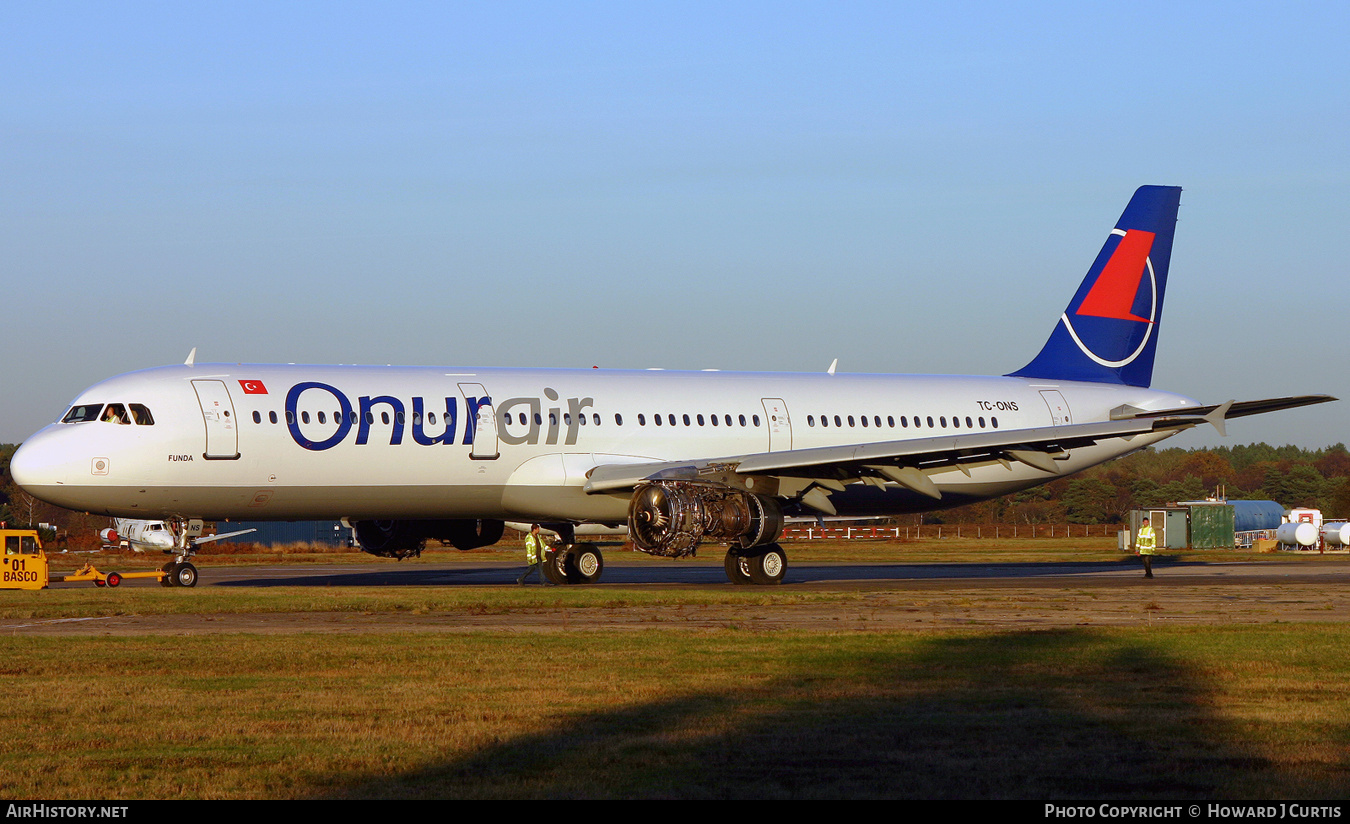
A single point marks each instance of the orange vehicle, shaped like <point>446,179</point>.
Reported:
<point>24,565</point>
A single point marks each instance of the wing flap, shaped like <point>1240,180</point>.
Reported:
<point>830,464</point>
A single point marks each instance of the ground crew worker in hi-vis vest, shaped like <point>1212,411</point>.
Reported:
<point>1145,543</point>
<point>534,554</point>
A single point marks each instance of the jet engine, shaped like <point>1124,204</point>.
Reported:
<point>402,539</point>
<point>109,536</point>
<point>669,518</point>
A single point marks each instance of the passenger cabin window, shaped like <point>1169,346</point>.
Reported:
<point>82,414</point>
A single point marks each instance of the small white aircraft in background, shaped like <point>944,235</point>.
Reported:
<point>159,535</point>
<point>407,454</point>
<point>138,535</point>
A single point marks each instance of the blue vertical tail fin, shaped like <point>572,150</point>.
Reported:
<point>1109,331</point>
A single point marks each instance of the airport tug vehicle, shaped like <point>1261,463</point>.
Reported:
<point>24,566</point>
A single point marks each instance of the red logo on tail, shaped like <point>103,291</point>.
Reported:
<point>1112,296</point>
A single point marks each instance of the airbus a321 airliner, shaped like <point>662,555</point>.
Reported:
<point>407,454</point>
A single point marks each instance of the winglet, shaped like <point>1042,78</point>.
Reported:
<point>1217,418</point>
<point>192,356</point>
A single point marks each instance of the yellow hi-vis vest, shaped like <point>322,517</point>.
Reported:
<point>534,548</point>
<point>1147,541</point>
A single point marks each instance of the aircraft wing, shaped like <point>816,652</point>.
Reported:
<point>812,473</point>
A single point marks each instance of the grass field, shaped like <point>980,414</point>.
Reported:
<point>1253,712</point>
<point>1163,711</point>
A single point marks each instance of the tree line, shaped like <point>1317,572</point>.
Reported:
<point>1289,475</point>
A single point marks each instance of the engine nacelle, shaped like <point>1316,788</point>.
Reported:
<point>403,539</point>
<point>109,536</point>
<point>670,518</point>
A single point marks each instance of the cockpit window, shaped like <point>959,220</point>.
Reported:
<point>80,414</point>
<point>116,413</point>
<point>141,415</point>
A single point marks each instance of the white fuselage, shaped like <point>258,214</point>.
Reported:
<point>288,442</point>
<point>151,535</point>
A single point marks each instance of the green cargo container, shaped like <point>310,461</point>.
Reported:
<point>1198,525</point>
<point>1212,526</point>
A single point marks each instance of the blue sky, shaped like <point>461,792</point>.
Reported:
<point>908,188</point>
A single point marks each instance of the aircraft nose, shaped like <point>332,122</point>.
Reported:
<point>29,467</point>
<point>40,466</point>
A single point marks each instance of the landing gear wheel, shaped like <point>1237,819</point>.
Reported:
<point>737,566</point>
<point>184,575</point>
<point>584,564</point>
<point>114,579</point>
<point>769,565</point>
<point>553,566</point>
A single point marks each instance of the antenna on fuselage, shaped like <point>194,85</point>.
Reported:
<point>191,357</point>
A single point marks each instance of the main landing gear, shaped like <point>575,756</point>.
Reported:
<point>765,564</point>
<point>573,564</point>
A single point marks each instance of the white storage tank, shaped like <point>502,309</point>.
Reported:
<point>1297,534</point>
<point>1336,533</point>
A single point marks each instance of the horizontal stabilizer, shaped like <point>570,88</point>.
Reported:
<point>1235,410</point>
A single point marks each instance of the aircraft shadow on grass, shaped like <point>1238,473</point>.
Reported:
<point>1069,714</point>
